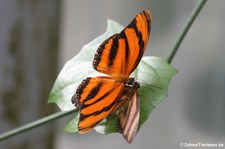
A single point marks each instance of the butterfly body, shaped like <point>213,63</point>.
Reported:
<point>101,96</point>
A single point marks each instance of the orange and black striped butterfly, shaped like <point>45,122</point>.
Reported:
<point>101,96</point>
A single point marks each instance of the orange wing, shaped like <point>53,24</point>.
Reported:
<point>96,99</point>
<point>120,54</point>
<point>129,119</point>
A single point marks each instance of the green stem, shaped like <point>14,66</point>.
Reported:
<point>184,31</point>
<point>35,124</point>
<point>61,114</point>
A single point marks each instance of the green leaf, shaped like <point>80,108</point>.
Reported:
<point>154,75</point>
<point>108,125</point>
<point>72,125</point>
<point>153,92</point>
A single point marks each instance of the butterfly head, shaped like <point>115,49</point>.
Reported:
<point>132,84</point>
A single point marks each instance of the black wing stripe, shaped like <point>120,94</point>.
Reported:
<point>127,49</point>
<point>113,51</point>
<point>85,105</point>
<point>83,116</point>
<point>99,52</point>
<point>107,108</point>
<point>93,92</point>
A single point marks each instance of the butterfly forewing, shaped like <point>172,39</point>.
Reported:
<point>120,54</point>
<point>96,99</point>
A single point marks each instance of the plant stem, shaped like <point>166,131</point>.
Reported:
<point>61,114</point>
<point>35,124</point>
<point>184,31</point>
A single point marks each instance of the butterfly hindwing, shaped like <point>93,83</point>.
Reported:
<point>129,119</point>
<point>120,54</point>
<point>96,99</point>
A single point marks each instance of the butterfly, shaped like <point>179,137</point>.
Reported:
<point>117,57</point>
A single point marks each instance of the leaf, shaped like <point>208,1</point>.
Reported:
<point>72,125</point>
<point>154,91</point>
<point>108,125</point>
<point>153,73</point>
